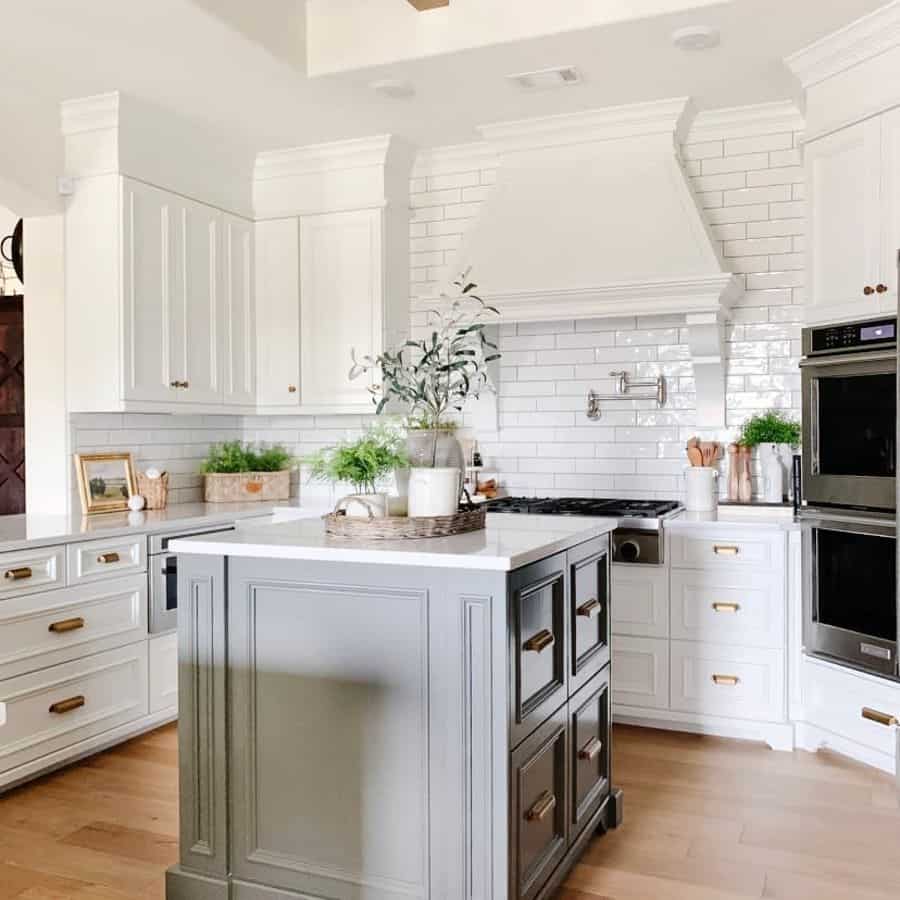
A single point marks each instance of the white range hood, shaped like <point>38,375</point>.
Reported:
<point>593,216</point>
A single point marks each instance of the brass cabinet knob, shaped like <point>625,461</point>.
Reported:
<point>292,388</point>
<point>174,384</point>
<point>881,288</point>
<point>868,289</point>
<point>185,384</point>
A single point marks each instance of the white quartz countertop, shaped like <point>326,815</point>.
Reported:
<point>770,517</point>
<point>21,531</point>
<point>507,543</point>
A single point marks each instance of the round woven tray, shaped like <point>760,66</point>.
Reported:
<point>398,528</point>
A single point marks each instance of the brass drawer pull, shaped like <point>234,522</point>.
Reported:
<point>104,558</point>
<point>726,550</point>
<point>541,641</point>
<point>873,715</point>
<point>18,574</point>
<point>726,607</point>
<point>726,679</point>
<point>591,749</point>
<point>64,706</point>
<point>590,609</point>
<point>66,625</point>
<point>543,805</point>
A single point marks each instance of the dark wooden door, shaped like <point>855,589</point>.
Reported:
<point>12,406</point>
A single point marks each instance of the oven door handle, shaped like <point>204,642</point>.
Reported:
<point>170,566</point>
<point>813,361</point>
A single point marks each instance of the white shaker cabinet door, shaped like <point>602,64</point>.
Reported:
<point>341,304</point>
<point>278,312</point>
<point>149,221</point>
<point>844,222</point>
<point>239,329</point>
<point>890,207</point>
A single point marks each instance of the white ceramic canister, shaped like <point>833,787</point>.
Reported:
<point>434,492</point>
<point>701,488</point>
<point>365,506</point>
<point>772,473</point>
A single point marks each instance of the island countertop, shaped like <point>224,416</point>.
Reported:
<point>507,543</point>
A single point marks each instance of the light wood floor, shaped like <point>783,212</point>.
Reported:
<point>705,819</point>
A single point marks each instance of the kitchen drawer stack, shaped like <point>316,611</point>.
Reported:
<point>559,774</point>
<point>76,666</point>
<point>702,641</point>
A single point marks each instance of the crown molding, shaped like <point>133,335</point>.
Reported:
<point>746,121</point>
<point>855,43</point>
<point>454,158</point>
<point>661,118</point>
<point>319,158</point>
<point>95,113</point>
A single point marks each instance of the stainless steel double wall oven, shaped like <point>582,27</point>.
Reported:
<point>849,383</point>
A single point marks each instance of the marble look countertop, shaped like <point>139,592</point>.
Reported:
<point>24,531</point>
<point>507,543</point>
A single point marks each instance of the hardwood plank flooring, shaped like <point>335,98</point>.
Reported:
<point>705,819</point>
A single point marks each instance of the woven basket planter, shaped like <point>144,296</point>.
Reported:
<point>244,486</point>
<point>155,491</point>
<point>397,528</point>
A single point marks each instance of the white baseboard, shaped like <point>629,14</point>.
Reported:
<point>813,738</point>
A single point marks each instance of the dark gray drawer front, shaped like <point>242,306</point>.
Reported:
<point>539,814</point>
<point>589,729</point>
<point>589,611</point>
<point>538,646</point>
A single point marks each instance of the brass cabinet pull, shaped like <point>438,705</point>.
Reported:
<point>18,574</point>
<point>543,805</point>
<point>541,641</point>
<point>591,749</point>
<point>873,715</point>
<point>590,609</point>
<point>868,289</point>
<point>881,288</point>
<point>726,607</point>
<point>64,706</point>
<point>726,679</point>
<point>726,550</point>
<point>108,558</point>
<point>65,625</point>
<point>292,388</point>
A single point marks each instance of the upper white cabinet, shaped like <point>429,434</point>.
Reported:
<point>239,312</point>
<point>341,306</point>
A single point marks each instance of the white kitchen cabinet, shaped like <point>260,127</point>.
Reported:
<point>642,672</point>
<point>278,314</point>
<point>163,673</point>
<point>853,194</point>
<point>641,600</point>
<point>240,334</point>
<point>342,305</point>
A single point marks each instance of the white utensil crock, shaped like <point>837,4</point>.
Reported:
<point>701,489</point>
<point>434,492</point>
<point>365,505</point>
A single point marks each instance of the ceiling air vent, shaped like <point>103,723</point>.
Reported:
<point>546,79</point>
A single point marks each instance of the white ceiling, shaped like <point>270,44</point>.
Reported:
<point>239,73</point>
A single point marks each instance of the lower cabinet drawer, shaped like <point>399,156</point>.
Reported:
<point>640,604</point>
<point>163,652</point>
<point>54,708</point>
<point>41,630</point>
<point>641,667</point>
<point>538,816</point>
<point>589,750</point>
<point>738,682</point>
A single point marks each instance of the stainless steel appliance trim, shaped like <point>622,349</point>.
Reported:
<point>159,543</point>
<point>849,358</point>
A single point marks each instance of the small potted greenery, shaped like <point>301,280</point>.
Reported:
<point>361,463</point>
<point>235,471</point>
<point>773,434</point>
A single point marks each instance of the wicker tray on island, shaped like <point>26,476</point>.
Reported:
<point>398,528</point>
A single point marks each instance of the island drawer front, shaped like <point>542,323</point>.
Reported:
<point>539,783</point>
<point>589,749</point>
<point>41,630</point>
<point>110,558</point>
<point>724,607</point>
<point>54,708</point>
<point>538,648</point>
<point>736,549</point>
<point>720,680</point>
<point>641,672</point>
<point>589,611</point>
<point>641,600</point>
<point>27,571</point>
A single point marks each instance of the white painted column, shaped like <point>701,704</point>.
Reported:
<point>47,457</point>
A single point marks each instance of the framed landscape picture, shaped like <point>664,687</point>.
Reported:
<point>105,481</point>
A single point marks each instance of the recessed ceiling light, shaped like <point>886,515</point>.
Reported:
<point>696,37</point>
<point>545,79</point>
<point>394,88</point>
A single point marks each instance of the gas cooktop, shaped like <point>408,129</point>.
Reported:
<point>586,506</point>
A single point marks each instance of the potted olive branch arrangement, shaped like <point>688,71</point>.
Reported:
<point>432,378</point>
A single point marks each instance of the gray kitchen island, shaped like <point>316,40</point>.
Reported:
<point>383,720</point>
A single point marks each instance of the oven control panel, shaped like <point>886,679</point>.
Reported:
<point>850,337</point>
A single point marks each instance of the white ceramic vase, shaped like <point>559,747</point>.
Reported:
<point>434,492</point>
<point>772,473</point>
<point>365,505</point>
<point>701,489</point>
